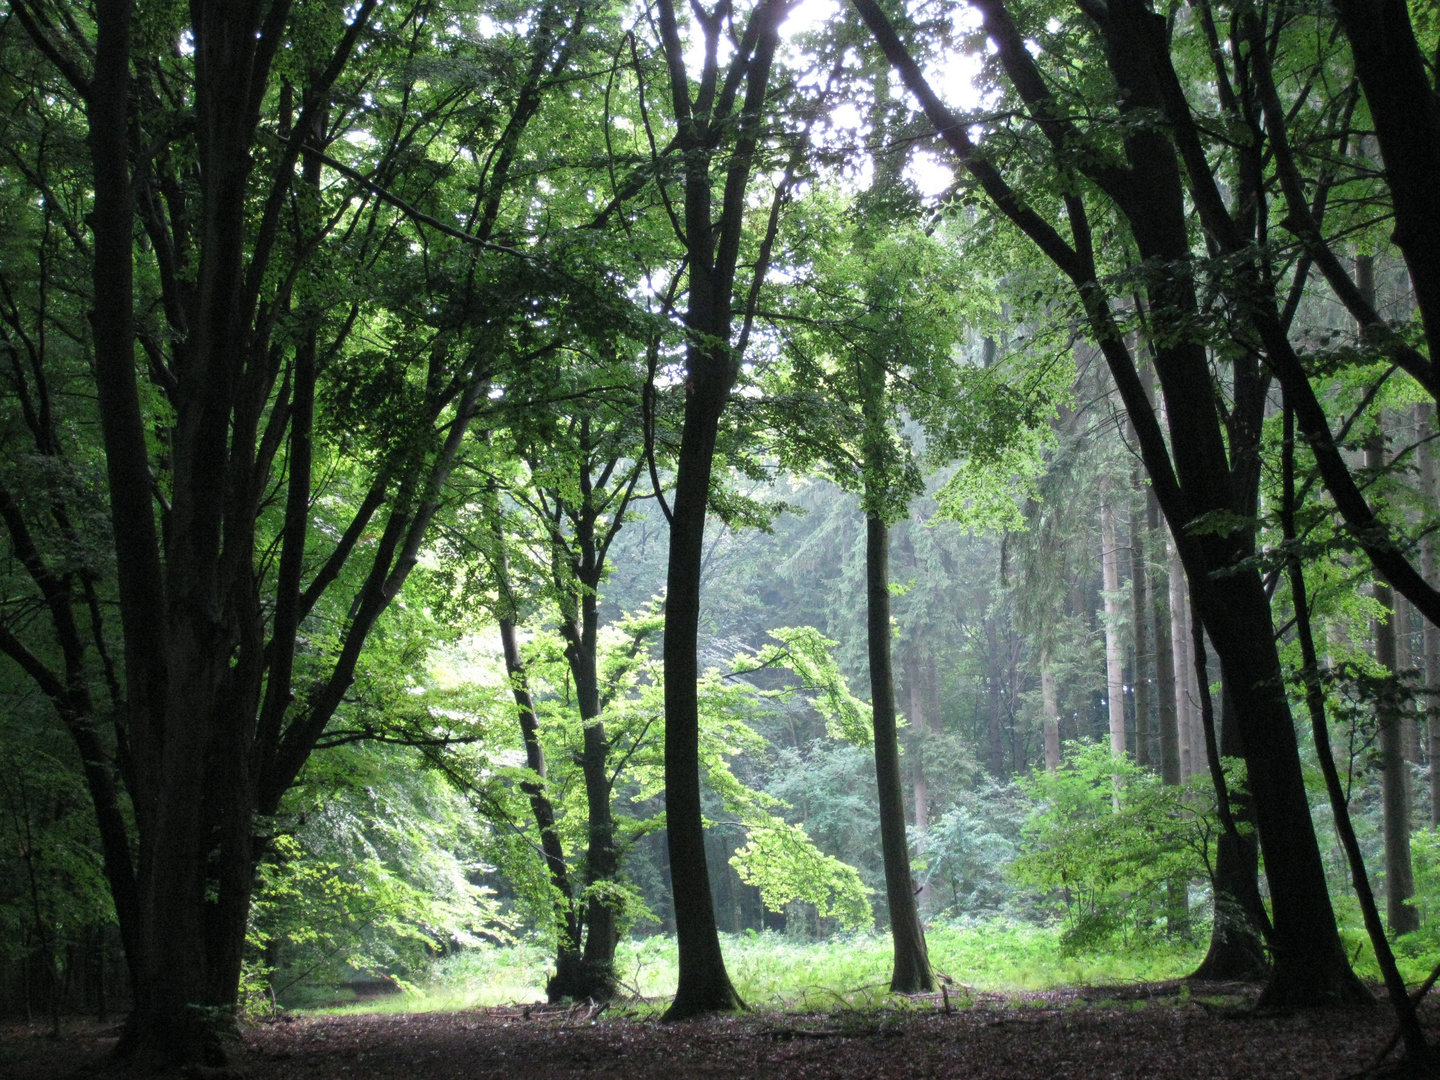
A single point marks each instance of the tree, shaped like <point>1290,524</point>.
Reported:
<point>213,718</point>
<point>710,117</point>
<point>1193,475</point>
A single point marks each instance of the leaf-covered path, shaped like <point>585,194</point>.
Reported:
<point>1143,1031</point>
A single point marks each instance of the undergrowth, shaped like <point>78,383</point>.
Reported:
<point>774,971</point>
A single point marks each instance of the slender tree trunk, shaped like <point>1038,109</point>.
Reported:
<point>920,729</point>
<point>1237,945</point>
<point>567,957</point>
<point>1405,664</point>
<point>912,962</point>
<point>1114,644</point>
<point>704,984</point>
<point>602,859</point>
<point>1170,749</point>
<point>1394,791</point>
<point>1051,711</point>
<point>1140,617</point>
<point>995,735</point>
<point>1415,1043</point>
<point>712,364</point>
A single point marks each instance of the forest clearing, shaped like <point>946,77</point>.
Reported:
<point>858,536</point>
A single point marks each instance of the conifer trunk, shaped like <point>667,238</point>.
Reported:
<point>1140,618</point>
<point>919,782</point>
<point>1051,712</point>
<point>1114,645</point>
<point>1170,749</point>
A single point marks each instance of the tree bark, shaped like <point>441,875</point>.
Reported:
<point>1114,644</point>
<point>1180,651</point>
<point>1431,636</point>
<point>1051,712</point>
<point>919,783</point>
<point>911,973</point>
<point>1237,945</point>
<point>1394,791</point>
<point>1170,754</point>
<point>995,731</point>
<point>1140,617</point>
<point>567,956</point>
<point>712,365</point>
<point>1395,78</point>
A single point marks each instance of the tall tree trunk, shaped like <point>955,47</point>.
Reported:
<point>1050,710</point>
<point>712,364</point>
<point>1431,637</point>
<point>704,984</point>
<point>920,730</point>
<point>1140,618</point>
<point>1394,791</point>
<point>912,962</point>
<point>1170,749</point>
<point>1415,1043</point>
<point>995,732</point>
<point>1114,642</point>
<point>1405,663</point>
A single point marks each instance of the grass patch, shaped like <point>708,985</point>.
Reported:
<point>775,971</point>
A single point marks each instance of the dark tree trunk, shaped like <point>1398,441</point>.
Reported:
<point>1403,105</point>
<point>912,962</point>
<point>1051,712</point>
<point>919,730</point>
<point>704,984</point>
<point>1237,944</point>
<point>1394,773</point>
<point>712,363</point>
<point>567,957</point>
<point>602,860</point>
<point>1430,568</point>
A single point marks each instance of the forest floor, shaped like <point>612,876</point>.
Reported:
<point>1154,1030</point>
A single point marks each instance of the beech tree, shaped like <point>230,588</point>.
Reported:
<point>224,154</point>
<point>722,123</point>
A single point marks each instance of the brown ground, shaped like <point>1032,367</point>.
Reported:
<point>1150,1031</point>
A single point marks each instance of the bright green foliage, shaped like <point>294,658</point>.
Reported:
<point>784,863</point>
<point>806,652</point>
<point>1105,840</point>
<point>377,878</point>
